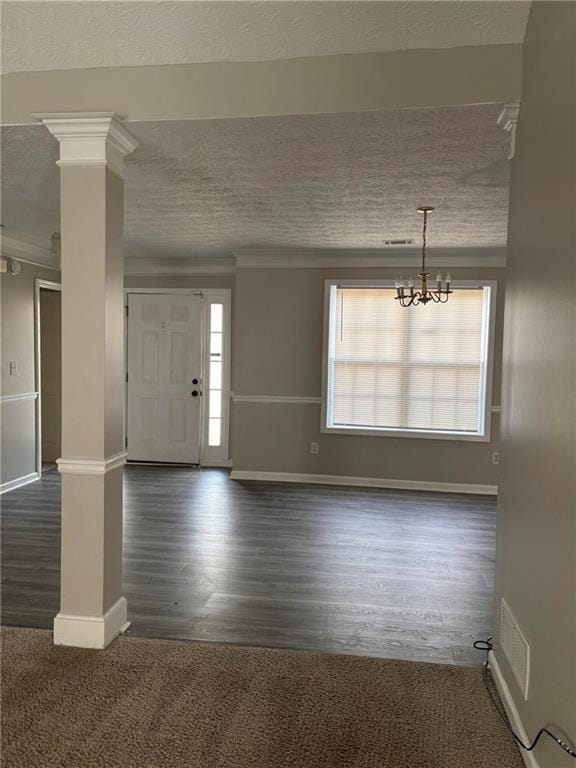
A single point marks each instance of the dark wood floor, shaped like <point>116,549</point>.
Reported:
<point>364,571</point>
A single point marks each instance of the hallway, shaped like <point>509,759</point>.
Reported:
<point>390,574</point>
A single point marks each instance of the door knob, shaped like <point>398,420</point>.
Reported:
<point>194,393</point>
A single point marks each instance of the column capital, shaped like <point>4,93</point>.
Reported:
<point>508,119</point>
<point>90,139</point>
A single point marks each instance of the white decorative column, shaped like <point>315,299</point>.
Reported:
<point>508,119</point>
<point>92,150</point>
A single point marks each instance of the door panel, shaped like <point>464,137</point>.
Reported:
<point>164,355</point>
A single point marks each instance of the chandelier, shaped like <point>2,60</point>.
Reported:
<point>410,297</point>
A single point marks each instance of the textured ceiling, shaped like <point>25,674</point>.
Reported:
<point>67,35</point>
<point>203,188</point>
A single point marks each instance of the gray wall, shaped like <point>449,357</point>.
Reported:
<point>179,281</point>
<point>278,351</point>
<point>537,503</point>
<point>18,429</point>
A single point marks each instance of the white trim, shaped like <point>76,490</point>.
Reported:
<point>420,434</point>
<point>41,265</point>
<point>11,485</point>
<point>369,482</point>
<point>91,631</point>
<point>510,707</point>
<point>21,396</point>
<point>488,336</point>
<point>91,466</point>
<point>217,455</point>
<point>90,139</point>
<point>216,464</point>
<point>209,456</point>
<point>47,285</point>
<point>187,266</point>
<point>276,399</point>
<point>287,258</point>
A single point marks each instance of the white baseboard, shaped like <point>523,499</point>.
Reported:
<point>510,707</point>
<point>11,485</point>
<point>91,631</point>
<point>369,482</point>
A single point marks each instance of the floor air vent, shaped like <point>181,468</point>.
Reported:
<point>405,241</point>
<point>515,647</point>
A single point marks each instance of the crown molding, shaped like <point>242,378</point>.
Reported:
<point>181,266</point>
<point>285,258</point>
<point>26,252</point>
<point>279,258</point>
<point>508,120</point>
<point>296,258</point>
<point>90,139</point>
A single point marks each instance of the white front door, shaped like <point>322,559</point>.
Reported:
<point>164,377</point>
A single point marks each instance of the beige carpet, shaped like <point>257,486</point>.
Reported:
<point>157,703</point>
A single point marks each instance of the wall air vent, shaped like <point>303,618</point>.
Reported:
<point>515,647</point>
<point>405,241</point>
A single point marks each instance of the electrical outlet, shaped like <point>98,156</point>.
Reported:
<point>496,457</point>
<point>12,367</point>
<point>314,449</point>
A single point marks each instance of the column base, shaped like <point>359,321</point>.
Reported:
<point>92,631</point>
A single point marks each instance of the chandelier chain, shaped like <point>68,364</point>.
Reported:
<point>424,227</point>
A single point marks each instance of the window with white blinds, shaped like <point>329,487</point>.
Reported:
<point>413,370</point>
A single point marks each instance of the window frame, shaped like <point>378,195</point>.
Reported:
<point>484,436</point>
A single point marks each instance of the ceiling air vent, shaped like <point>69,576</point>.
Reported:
<point>405,241</point>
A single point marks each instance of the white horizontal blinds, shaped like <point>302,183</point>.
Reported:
<point>418,368</point>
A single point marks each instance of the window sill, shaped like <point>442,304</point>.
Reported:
<point>421,434</point>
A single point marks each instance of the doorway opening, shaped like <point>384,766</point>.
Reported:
<point>178,376</point>
<point>48,374</point>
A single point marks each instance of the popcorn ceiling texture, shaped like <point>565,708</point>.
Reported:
<point>69,35</point>
<point>210,187</point>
